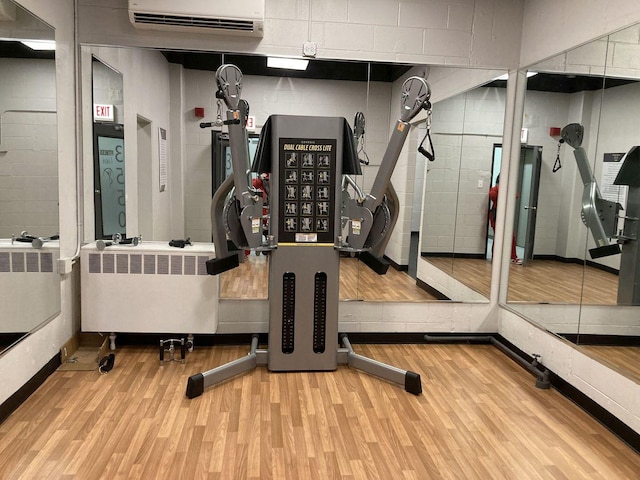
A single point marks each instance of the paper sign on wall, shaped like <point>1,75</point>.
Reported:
<point>162,156</point>
<point>611,164</point>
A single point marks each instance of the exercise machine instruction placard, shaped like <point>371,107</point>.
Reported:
<point>307,184</point>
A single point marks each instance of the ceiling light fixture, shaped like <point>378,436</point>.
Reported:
<point>288,63</point>
<point>39,44</point>
<point>506,76</point>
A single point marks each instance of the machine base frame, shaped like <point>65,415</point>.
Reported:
<point>197,383</point>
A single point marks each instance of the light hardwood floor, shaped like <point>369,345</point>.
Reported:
<point>540,281</point>
<point>479,417</point>
<point>547,281</point>
<point>357,282</point>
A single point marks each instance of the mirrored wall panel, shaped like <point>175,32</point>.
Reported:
<point>364,93</point>
<point>29,241</point>
<point>578,281</point>
<point>109,160</point>
<point>456,235</point>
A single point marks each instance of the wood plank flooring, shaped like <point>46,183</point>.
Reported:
<point>357,282</point>
<point>540,281</point>
<point>479,417</point>
<point>547,281</point>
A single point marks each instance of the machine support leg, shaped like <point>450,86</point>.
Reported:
<point>198,382</point>
<point>410,380</point>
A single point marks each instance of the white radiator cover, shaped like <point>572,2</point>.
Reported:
<point>150,288</point>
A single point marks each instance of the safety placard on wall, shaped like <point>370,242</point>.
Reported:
<point>162,155</point>
<point>611,164</point>
<point>307,184</point>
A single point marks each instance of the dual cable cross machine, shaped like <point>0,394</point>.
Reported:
<point>309,224</point>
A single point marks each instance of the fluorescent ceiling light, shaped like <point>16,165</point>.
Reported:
<point>39,44</point>
<point>288,63</point>
<point>506,76</point>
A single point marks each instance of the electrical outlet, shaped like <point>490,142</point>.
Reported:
<point>480,183</point>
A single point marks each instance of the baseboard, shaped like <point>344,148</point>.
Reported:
<point>578,261</point>
<point>476,256</point>
<point>431,291</point>
<point>200,339</point>
<point>604,268</point>
<point>24,392</point>
<point>604,340</point>
<point>603,416</point>
<point>396,266</point>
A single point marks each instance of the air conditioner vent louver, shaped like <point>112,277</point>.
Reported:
<point>195,22</point>
<point>243,18</point>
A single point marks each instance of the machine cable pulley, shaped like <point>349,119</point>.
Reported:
<point>557,165</point>
<point>431,156</point>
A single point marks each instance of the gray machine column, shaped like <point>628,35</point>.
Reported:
<point>303,311</point>
<point>629,275</point>
<point>304,269</point>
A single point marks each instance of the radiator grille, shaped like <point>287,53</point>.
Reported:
<point>26,262</point>
<point>193,22</point>
<point>135,263</point>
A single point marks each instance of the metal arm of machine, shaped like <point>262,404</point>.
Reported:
<point>241,217</point>
<point>372,211</point>
<point>598,214</point>
<point>249,201</point>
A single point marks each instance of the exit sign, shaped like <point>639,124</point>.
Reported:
<point>104,113</point>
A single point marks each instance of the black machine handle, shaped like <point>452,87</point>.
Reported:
<point>180,243</point>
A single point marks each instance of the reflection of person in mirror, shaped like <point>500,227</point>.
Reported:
<point>493,197</point>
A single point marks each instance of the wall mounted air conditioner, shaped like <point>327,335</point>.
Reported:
<point>229,17</point>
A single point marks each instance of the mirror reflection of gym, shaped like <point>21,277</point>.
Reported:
<point>108,152</point>
<point>340,97</point>
<point>455,236</point>
<point>569,290</point>
<point>29,221</point>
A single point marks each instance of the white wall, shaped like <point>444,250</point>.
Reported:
<point>479,33</point>
<point>550,27</point>
<point>28,147</point>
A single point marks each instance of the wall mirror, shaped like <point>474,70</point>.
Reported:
<point>29,241</point>
<point>467,129</point>
<point>109,161</point>
<point>329,88</point>
<point>127,185</point>
<point>565,288</point>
